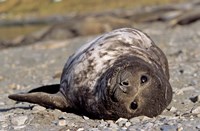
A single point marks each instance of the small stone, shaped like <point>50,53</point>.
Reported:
<point>128,124</point>
<point>173,109</point>
<point>80,129</point>
<point>102,124</point>
<point>38,108</point>
<point>168,128</point>
<point>93,129</point>
<point>196,110</point>
<point>18,127</point>
<point>4,125</point>
<point>195,99</point>
<point>19,120</point>
<point>145,118</point>
<point>198,126</point>
<point>86,118</point>
<point>134,120</point>
<point>2,103</point>
<point>148,126</point>
<point>112,125</point>
<point>123,128</point>
<point>2,118</point>
<point>180,129</point>
<point>121,121</point>
<point>62,122</point>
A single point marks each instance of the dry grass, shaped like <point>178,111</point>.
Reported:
<point>20,8</point>
<point>11,32</point>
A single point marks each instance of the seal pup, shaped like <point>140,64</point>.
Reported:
<point>119,74</point>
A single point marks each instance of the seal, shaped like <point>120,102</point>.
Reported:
<point>119,74</point>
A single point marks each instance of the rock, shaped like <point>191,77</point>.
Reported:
<point>123,129</point>
<point>62,122</point>
<point>86,118</point>
<point>2,118</point>
<point>134,120</point>
<point>173,109</point>
<point>145,118</point>
<point>121,122</point>
<point>112,125</point>
<point>195,99</point>
<point>127,124</point>
<point>19,120</point>
<point>38,108</point>
<point>198,126</point>
<point>18,127</point>
<point>93,129</point>
<point>149,126</point>
<point>196,110</point>
<point>102,124</point>
<point>80,129</point>
<point>168,128</point>
<point>2,103</point>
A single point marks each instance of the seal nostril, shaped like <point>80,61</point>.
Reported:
<point>134,105</point>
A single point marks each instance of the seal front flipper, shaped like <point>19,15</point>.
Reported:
<point>48,96</point>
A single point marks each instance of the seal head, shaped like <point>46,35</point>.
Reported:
<point>136,88</point>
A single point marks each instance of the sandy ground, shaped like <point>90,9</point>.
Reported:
<point>26,67</point>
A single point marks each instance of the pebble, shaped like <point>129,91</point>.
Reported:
<point>93,129</point>
<point>148,126</point>
<point>102,124</point>
<point>180,129</point>
<point>38,108</point>
<point>19,120</point>
<point>86,118</point>
<point>134,120</point>
<point>145,118</point>
<point>112,125</point>
<point>195,99</point>
<point>62,122</point>
<point>80,129</point>
<point>121,122</point>
<point>2,118</point>
<point>2,103</point>
<point>168,128</point>
<point>128,124</point>
<point>18,127</point>
<point>173,109</point>
<point>198,126</point>
<point>196,110</point>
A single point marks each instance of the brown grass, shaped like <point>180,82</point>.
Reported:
<point>18,8</point>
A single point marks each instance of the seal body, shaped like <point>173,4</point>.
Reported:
<point>119,74</point>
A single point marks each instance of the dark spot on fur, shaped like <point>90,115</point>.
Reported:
<point>101,54</point>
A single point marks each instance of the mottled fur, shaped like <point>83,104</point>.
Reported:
<point>89,79</point>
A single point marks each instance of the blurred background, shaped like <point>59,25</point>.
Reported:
<point>27,21</point>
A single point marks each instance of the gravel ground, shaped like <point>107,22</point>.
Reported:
<point>26,67</point>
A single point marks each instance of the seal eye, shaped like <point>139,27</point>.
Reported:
<point>134,105</point>
<point>143,79</point>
